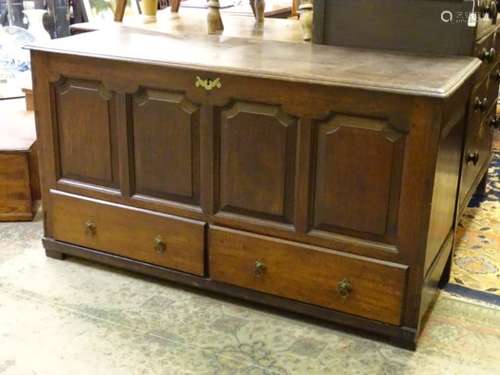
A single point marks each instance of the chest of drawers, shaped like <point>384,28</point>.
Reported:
<point>328,189</point>
<point>413,27</point>
<point>482,119</point>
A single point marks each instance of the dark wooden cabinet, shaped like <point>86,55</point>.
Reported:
<point>412,27</point>
<point>423,26</point>
<point>329,189</point>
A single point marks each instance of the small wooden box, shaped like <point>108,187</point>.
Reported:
<point>19,179</point>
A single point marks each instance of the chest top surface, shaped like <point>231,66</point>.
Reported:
<point>402,73</point>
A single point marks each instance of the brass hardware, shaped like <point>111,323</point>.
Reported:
<point>344,288</point>
<point>90,228</point>
<point>492,55</point>
<point>208,84</point>
<point>480,104</point>
<point>472,157</point>
<point>160,245</point>
<point>260,268</point>
<point>488,55</point>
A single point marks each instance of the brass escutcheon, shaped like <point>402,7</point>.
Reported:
<point>344,288</point>
<point>90,228</point>
<point>260,268</point>
<point>160,245</point>
<point>208,84</point>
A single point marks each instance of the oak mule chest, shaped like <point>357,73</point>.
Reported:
<point>328,188</point>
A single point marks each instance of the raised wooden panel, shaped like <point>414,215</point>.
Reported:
<point>166,129</point>
<point>257,157</point>
<point>86,130</point>
<point>358,168</point>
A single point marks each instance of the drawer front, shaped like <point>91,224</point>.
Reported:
<point>351,284</point>
<point>479,104</point>
<point>138,234</point>
<point>477,152</point>
<point>493,83</point>
<point>485,49</point>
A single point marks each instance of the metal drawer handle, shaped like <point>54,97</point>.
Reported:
<point>472,157</point>
<point>260,268</point>
<point>160,245</point>
<point>344,288</point>
<point>90,228</point>
<point>208,84</point>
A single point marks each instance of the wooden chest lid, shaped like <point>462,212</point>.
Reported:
<point>394,72</point>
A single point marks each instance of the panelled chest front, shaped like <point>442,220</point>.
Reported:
<point>321,190</point>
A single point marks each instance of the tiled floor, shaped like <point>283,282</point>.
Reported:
<point>74,317</point>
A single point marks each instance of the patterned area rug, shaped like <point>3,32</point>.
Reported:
<point>476,264</point>
<point>74,317</point>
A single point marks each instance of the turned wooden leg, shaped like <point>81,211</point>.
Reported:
<point>120,10</point>
<point>260,7</point>
<point>306,20</point>
<point>174,7</point>
<point>55,254</point>
<point>252,5</point>
<point>214,20</point>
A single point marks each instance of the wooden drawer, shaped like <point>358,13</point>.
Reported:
<point>138,234</point>
<point>352,284</point>
<point>486,50</point>
<point>479,104</point>
<point>477,152</point>
<point>493,82</point>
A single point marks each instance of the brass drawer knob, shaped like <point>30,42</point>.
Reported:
<point>488,55</point>
<point>208,84</point>
<point>160,245</point>
<point>472,157</point>
<point>344,288</point>
<point>480,104</point>
<point>260,268</point>
<point>90,228</point>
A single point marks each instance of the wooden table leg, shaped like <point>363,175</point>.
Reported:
<point>260,8</point>
<point>306,19</point>
<point>120,10</point>
<point>214,20</point>
<point>175,4</point>
<point>252,5</point>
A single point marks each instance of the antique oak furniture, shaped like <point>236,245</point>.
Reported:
<point>327,189</point>
<point>388,24</point>
<point>19,181</point>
